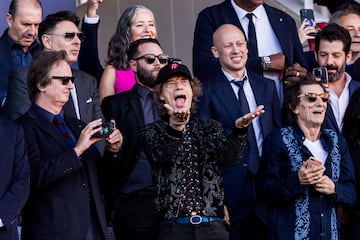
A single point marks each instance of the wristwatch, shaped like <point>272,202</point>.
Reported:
<point>266,63</point>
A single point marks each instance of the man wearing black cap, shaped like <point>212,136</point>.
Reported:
<point>128,184</point>
<point>184,153</point>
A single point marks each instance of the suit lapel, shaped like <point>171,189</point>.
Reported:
<point>223,90</point>
<point>47,127</point>
<point>136,107</point>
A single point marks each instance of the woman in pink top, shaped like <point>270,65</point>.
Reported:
<point>136,22</point>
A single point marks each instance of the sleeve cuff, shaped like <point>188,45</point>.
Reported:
<point>1,224</point>
<point>91,20</point>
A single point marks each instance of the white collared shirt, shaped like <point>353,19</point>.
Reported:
<point>250,97</point>
<point>267,41</point>
<point>75,101</point>
<point>339,104</point>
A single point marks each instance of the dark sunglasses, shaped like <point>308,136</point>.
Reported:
<point>150,58</point>
<point>65,79</point>
<point>69,36</point>
<point>311,97</point>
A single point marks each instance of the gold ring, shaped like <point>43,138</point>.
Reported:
<point>297,74</point>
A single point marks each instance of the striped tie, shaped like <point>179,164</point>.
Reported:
<point>60,125</point>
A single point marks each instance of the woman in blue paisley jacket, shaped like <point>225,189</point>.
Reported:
<point>306,171</point>
<point>185,153</point>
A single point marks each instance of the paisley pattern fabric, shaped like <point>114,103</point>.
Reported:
<point>302,223</point>
<point>166,149</point>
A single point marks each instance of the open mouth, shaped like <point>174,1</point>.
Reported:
<point>318,112</point>
<point>180,101</point>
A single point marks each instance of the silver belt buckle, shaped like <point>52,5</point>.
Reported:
<point>195,219</point>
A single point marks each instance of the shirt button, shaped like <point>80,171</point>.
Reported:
<point>322,215</point>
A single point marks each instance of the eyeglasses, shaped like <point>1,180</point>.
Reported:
<point>65,79</point>
<point>150,58</point>
<point>311,97</point>
<point>69,36</point>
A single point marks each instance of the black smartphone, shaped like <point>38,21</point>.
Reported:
<point>307,15</point>
<point>321,74</point>
<point>106,129</point>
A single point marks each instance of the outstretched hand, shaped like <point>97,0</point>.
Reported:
<point>245,120</point>
<point>178,119</point>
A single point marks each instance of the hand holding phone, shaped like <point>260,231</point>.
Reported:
<point>307,16</point>
<point>106,129</point>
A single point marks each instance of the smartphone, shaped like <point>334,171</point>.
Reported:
<point>307,15</point>
<point>106,129</point>
<point>321,74</point>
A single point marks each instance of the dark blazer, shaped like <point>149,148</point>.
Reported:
<point>14,176</point>
<point>58,206</point>
<point>125,108</point>
<point>206,65</point>
<point>18,100</point>
<point>330,121</point>
<point>7,64</point>
<point>220,103</point>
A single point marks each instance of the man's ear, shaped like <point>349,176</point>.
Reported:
<point>215,52</point>
<point>9,19</point>
<point>46,41</point>
<point>133,65</point>
<point>348,57</point>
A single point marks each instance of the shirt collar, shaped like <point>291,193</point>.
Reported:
<point>241,13</point>
<point>142,91</point>
<point>14,45</point>
<point>48,115</point>
<point>231,78</point>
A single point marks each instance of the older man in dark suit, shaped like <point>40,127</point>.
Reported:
<point>231,92</point>
<point>19,43</point>
<point>14,177</point>
<point>272,40</point>
<point>65,200</point>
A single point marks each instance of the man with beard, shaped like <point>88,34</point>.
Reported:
<point>332,47</point>
<point>127,182</point>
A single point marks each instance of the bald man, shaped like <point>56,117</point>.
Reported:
<point>221,101</point>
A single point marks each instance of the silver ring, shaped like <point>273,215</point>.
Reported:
<point>316,177</point>
<point>297,74</point>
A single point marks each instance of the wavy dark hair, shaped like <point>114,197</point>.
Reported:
<point>121,39</point>
<point>291,100</point>
<point>38,73</point>
<point>196,89</point>
<point>333,32</point>
<point>351,127</point>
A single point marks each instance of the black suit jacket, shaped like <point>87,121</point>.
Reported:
<point>58,206</point>
<point>220,103</point>
<point>14,176</point>
<point>205,65</point>
<point>125,108</point>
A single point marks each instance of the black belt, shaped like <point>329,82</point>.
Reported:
<point>194,220</point>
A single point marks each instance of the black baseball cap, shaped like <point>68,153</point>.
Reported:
<point>172,69</point>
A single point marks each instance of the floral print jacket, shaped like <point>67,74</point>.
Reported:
<point>164,148</point>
